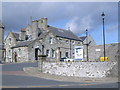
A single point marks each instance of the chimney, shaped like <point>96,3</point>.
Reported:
<point>23,34</point>
<point>34,29</point>
<point>42,23</point>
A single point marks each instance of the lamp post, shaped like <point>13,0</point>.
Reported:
<point>87,43</point>
<point>103,16</point>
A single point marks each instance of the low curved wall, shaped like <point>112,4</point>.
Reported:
<point>78,69</point>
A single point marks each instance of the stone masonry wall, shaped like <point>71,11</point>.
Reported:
<point>112,52</point>
<point>78,69</point>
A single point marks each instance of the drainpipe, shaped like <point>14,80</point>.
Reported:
<point>42,49</point>
<point>70,48</point>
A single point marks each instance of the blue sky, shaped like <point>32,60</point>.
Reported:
<point>79,16</point>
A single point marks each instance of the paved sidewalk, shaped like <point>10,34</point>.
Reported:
<point>37,73</point>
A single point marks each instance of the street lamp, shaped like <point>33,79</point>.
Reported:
<point>87,43</point>
<point>103,16</point>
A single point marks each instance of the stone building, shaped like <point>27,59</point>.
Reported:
<point>1,41</point>
<point>39,38</point>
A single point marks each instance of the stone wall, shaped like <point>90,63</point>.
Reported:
<point>112,52</point>
<point>22,54</point>
<point>79,69</point>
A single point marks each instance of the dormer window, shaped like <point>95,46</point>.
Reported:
<point>41,21</point>
<point>50,40</point>
<point>9,40</point>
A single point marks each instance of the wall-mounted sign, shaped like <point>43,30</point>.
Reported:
<point>97,50</point>
<point>78,52</point>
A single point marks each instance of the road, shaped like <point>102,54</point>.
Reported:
<point>13,76</point>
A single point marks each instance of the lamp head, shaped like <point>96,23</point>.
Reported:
<point>103,15</point>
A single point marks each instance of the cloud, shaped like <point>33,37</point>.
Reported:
<point>0,10</point>
<point>111,29</point>
<point>77,15</point>
<point>78,25</point>
<point>89,16</point>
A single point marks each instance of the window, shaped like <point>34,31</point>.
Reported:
<point>41,21</point>
<point>73,42</point>
<point>48,53</point>
<point>50,40</point>
<point>29,37</point>
<point>26,38</point>
<point>66,54</point>
<point>9,51</point>
<point>19,51</point>
<point>78,42</point>
<point>9,40</point>
<point>39,34</point>
<point>67,41</point>
<point>53,53</point>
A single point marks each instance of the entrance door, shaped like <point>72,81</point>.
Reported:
<point>36,53</point>
<point>60,54</point>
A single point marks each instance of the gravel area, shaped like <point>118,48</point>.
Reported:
<point>32,71</point>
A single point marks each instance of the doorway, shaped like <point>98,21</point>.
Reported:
<point>60,54</point>
<point>36,53</point>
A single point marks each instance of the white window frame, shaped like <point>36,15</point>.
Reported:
<point>10,41</point>
<point>53,53</point>
<point>73,42</point>
<point>48,53</point>
<point>50,40</point>
<point>66,53</point>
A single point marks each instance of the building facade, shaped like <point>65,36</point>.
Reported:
<point>1,42</point>
<point>39,38</point>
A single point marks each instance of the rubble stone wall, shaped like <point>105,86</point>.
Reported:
<point>79,69</point>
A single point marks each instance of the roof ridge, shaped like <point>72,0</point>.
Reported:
<point>57,28</point>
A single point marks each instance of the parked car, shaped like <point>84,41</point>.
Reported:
<point>63,59</point>
<point>69,59</point>
<point>66,59</point>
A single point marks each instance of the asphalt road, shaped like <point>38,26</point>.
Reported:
<point>13,76</point>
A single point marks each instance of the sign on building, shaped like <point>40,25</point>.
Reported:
<point>78,52</point>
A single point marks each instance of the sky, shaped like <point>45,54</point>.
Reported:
<point>79,16</point>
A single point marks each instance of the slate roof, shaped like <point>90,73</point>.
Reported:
<point>16,35</point>
<point>58,32</point>
<point>23,44</point>
<point>63,33</point>
<point>42,35</point>
<point>22,30</point>
<point>82,38</point>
